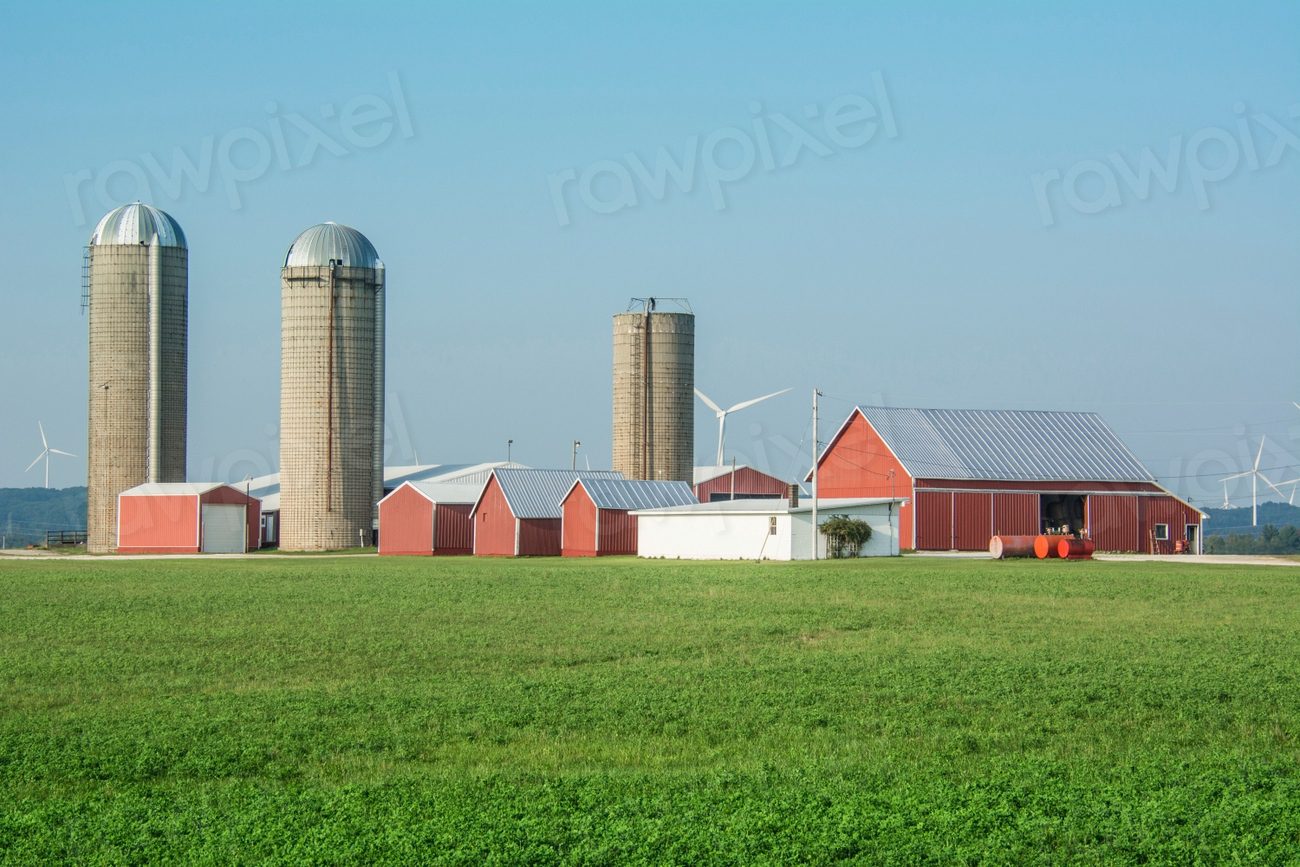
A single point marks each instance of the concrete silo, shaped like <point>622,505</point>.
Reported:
<point>654,393</point>
<point>331,389</point>
<point>137,295</point>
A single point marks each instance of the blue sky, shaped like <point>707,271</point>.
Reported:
<point>940,265</point>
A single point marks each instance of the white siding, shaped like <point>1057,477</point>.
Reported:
<point>719,536</point>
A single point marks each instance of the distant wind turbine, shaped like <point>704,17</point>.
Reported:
<point>46,451</point>
<point>1255,477</point>
<point>723,413</point>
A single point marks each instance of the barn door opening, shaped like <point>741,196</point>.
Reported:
<point>1061,513</point>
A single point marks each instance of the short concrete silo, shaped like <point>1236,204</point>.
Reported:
<point>331,389</point>
<point>137,297</point>
<point>654,393</point>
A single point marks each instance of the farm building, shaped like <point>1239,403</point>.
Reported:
<point>186,518</point>
<point>775,529</point>
<point>427,518</point>
<point>596,514</point>
<point>746,483</point>
<point>267,488</point>
<point>973,474</point>
<point>518,513</point>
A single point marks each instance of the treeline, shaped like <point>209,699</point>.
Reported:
<point>1240,521</point>
<point>26,513</point>
<point>1270,540</point>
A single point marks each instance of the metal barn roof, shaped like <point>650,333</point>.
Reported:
<point>267,488</point>
<point>173,489</point>
<point>773,506</point>
<point>1005,445</point>
<point>629,494</point>
<point>708,474</point>
<point>331,242</point>
<point>138,224</point>
<point>537,493</point>
<point>445,492</point>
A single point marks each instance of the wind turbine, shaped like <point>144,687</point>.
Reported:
<point>723,413</point>
<point>1255,476</point>
<point>46,451</point>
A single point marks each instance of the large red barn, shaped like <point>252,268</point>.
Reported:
<point>187,518</point>
<point>969,475</point>
<point>427,518</point>
<point>713,484</point>
<point>595,513</point>
<point>518,513</point>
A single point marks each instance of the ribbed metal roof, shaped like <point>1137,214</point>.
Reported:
<point>446,492</point>
<point>1005,445</point>
<point>138,224</point>
<point>631,494</point>
<point>537,493</point>
<point>173,489</point>
<point>332,242</point>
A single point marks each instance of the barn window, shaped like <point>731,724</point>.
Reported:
<point>771,526</point>
<point>1162,532</point>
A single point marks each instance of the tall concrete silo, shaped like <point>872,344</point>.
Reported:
<point>331,389</point>
<point>654,392</point>
<point>137,295</point>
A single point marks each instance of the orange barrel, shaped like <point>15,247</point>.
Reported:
<point>1003,547</point>
<point>1045,547</point>
<point>1075,549</point>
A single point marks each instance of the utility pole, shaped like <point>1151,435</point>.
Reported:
<point>815,529</point>
<point>574,464</point>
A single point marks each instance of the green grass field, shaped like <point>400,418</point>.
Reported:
<point>915,710</point>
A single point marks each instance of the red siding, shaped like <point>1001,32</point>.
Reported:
<point>494,524</point>
<point>617,532</point>
<point>858,464</point>
<point>933,521</point>
<point>1113,522</point>
<point>579,524</point>
<point>972,521</point>
<point>405,523</point>
<point>158,525</point>
<point>539,537</point>
<point>748,481</point>
<point>454,529</point>
<point>1016,515</point>
<point>1164,510</point>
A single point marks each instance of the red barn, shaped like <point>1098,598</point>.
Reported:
<point>714,484</point>
<point>518,512</point>
<point>594,513</point>
<point>427,518</point>
<point>187,518</point>
<point>969,475</point>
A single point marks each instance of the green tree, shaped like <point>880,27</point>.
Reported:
<point>845,536</point>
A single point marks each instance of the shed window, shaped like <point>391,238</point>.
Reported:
<point>771,526</point>
<point>1162,532</point>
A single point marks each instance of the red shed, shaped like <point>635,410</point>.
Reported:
<point>714,484</point>
<point>970,475</point>
<point>518,512</point>
<point>187,518</point>
<point>595,519</point>
<point>427,518</point>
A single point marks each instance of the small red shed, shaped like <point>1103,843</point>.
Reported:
<point>716,484</point>
<point>595,513</point>
<point>187,518</point>
<point>518,512</point>
<point>427,518</point>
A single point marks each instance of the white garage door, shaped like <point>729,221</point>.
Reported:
<point>223,528</point>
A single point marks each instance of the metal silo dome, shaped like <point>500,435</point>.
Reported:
<point>332,243</point>
<point>138,223</point>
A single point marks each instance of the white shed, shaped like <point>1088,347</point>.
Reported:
<point>760,529</point>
